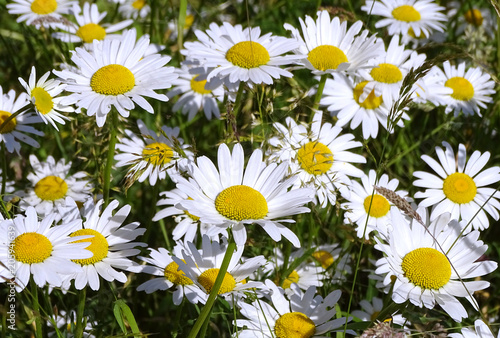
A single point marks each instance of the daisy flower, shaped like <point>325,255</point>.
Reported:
<point>423,268</point>
<point>368,209</point>
<point>134,9</point>
<point>117,73</point>
<point>469,15</point>
<point>152,156</point>
<point>39,250</point>
<point>480,330</point>
<point>43,94</point>
<point>238,54</point>
<point>417,17</point>
<point>66,322</point>
<point>233,197</point>
<point>327,45</point>
<point>335,263</point>
<point>52,183</point>
<point>318,156</point>
<point>372,309</point>
<point>202,267</point>
<point>88,27</point>
<point>14,129</point>
<point>45,13</point>
<point>161,264</point>
<point>460,187</point>
<point>302,315</point>
<point>471,89</point>
<point>111,245</point>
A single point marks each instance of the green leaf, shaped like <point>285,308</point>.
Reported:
<point>123,313</point>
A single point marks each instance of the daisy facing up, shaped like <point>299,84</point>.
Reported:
<point>118,73</point>
<point>460,187</point>
<point>134,9</point>
<point>45,13</point>
<point>233,196</point>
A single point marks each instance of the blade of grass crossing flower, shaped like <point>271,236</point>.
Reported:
<point>124,316</point>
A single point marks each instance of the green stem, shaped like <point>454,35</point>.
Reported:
<point>181,23</point>
<point>8,119</point>
<point>4,170</point>
<point>111,154</point>
<point>57,136</point>
<point>36,309</point>
<point>319,93</point>
<point>207,309</point>
<point>82,296</point>
<point>239,95</point>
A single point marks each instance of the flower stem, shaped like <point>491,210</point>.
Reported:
<point>319,93</point>
<point>36,309</point>
<point>237,102</point>
<point>4,179</point>
<point>111,154</point>
<point>8,119</point>
<point>82,296</point>
<point>181,23</point>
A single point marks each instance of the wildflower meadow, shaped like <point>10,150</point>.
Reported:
<point>249,168</point>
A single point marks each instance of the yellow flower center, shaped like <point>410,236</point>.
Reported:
<point>411,33</point>
<point>51,188</point>
<point>193,217</point>
<point>379,205</point>
<point>157,153</point>
<point>189,21</point>
<point>199,86</point>
<point>138,4</point>
<point>293,277</point>
<point>43,7</point>
<point>294,325</point>
<point>459,188</point>
<point>474,17</point>
<point>427,268</point>
<point>98,246</point>
<point>371,102</point>
<point>324,258</point>
<point>240,202</point>
<point>31,248</point>
<point>112,80</point>
<point>315,158</point>
<point>10,126</point>
<point>406,13</point>
<point>326,57</point>
<point>248,54</point>
<point>207,280</point>
<point>462,88</point>
<point>173,274</point>
<point>43,100</point>
<point>91,32</point>
<point>386,73</point>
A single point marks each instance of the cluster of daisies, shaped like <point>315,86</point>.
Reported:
<point>67,237</point>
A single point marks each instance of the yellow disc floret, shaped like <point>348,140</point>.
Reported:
<point>294,325</point>
<point>31,248</point>
<point>406,13</point>
<point>371,102</point>
<point>326,57</point>
<point>98,246</point>
<point>248,54</point>
<point>198,86</point>
<point>51,188</point>
<point>462,88</point>
<point>386,73</point>
<point>315,158</point>
<point>474,17</point>
<point>459,188</point>
<point>240,202</point>
<point>157,153</point>
<point>42,100</point>
<point>91,32</point>
<point>138,4</point>
<point>43,7</point>
<point>207,280</point>
<point>173,274</point>
<point>427,268</point>
<point>324,258</point>
<point>112,80</point>
<point>9,126</point>
<point>293,277</point>
<point>379,205</point>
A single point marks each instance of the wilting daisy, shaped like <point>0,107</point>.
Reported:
<point>327,45</point>
<point>134,9</point>
<point>480,330</point>
<point>238,54</point>
<point>111,245</point>
<point>88,27</point>
<point>117,73</point>
<point>43,94</point>
<point>337,264</point>
<point>40,250</point>
<point>318,156</point>
<point>407,17</point>
<point>202,267</point>
<point>471,89</point>
<point>368,209</point>
<point>234,197</point>
<point>302,315</point>
<point>460,187</point>
<point>44,13</point>
<point>151,155</point>
<point>51,184</point>
<point>14,129</point>
<point>430,271</point>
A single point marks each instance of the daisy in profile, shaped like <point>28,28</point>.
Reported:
<point>405,17</point>
<point>301,315</point>
<point>234,196</point>
<point>202,267</point>
<point>236,54</point>
<point>471,89</point>
<point>460,186</point>
<point>367,209</point>
<point>429,271</point>
<point>88,27</point>
<point>318,156</point>
<point>480,330</point>
<point>327,46</point>
<point>45,13</point>
<point>118,73</point>
<point>134,9</point>
<point>51,185</point>
<point>14,129</point>
<point>39,250</point>
<point>44,96</point>
<point>111,245</point>
<point>152,156</point>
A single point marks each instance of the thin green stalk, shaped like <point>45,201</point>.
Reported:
<point>4,170</point>
<point>319,93</point>
<point>111,154</point>
<point>82,296</point>
<point>8,119</point>
<point>237,102</point>
<point>57,136</point>
<point>207,309</point>
<point>36,309</point>
<point>181,23</point>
